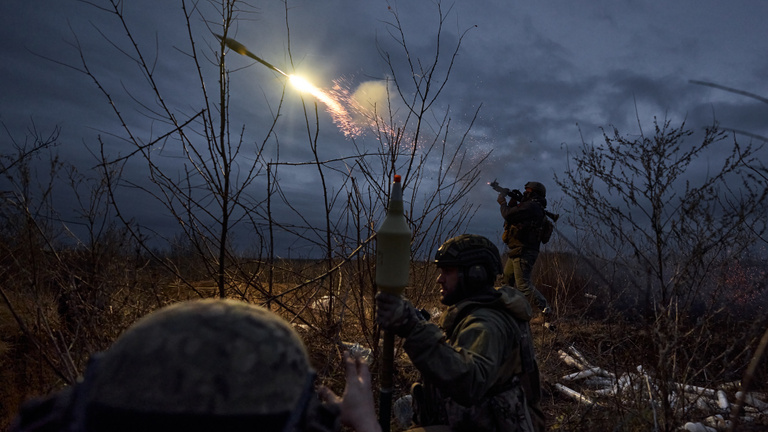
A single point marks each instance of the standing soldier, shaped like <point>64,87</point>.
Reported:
<point>523,219</point>
<point>478,367</point>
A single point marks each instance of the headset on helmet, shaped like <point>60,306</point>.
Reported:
<point>478,255</point>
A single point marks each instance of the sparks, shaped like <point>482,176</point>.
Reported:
<point>340,115</point>
<point>338,112</point>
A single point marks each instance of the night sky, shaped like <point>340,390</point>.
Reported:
<point>546,75</point>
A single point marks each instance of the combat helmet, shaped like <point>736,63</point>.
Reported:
<point>537,187</point>
<point>477,255</point>
<point>217,364</point>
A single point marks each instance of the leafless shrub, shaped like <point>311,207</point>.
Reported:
<point>658,236</point>
<point>77,286</point>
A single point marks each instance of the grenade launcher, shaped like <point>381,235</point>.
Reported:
<point>518,196</point>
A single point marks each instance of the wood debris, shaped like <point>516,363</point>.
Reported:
<point>591,385</point>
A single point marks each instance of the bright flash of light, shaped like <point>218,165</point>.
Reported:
<point>339,113</point>
<point>301,84</point>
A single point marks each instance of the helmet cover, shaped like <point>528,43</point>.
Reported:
<point>537,187</point>
<point>212,357</point>
<point>469,250</point>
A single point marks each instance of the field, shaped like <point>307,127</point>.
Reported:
<point>61,327</point>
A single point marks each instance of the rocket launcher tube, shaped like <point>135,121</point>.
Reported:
<point>242,50</point>
<point>393,245</point>
<point>393,260</point>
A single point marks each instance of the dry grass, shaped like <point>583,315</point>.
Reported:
<point>613,343</point>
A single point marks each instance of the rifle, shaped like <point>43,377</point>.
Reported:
<point>518,196</point>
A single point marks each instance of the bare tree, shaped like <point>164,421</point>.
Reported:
<point>760,176</point>
<point>638,198</point>
<point>650,217</point>
<point>212,181</point>
<point>73,278</point>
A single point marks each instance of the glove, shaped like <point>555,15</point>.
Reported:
<point>396,314</point>
<point>502,198</point>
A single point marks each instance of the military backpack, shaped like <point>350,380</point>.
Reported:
<point>545,230</point>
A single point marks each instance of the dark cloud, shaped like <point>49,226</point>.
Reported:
<point>545,76</point>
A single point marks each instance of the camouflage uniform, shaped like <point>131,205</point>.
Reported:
<point>476,366</point>
<point>521,235</point>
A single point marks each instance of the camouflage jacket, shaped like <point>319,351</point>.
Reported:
<point>521,224</point>
<point>473,364</point>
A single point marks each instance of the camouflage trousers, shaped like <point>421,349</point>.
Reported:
<point>504,412</point>
<point>517,273</point>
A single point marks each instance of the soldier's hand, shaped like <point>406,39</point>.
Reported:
<point>356,404</point>
<point>502,198</point>
<point>396,314</point>
<point>517,195</point>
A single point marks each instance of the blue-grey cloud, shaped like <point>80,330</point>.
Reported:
<point>545,76</point>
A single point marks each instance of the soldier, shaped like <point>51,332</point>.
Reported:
<point>478,367</point>
<point>523,218</point>
<point>209,365</point>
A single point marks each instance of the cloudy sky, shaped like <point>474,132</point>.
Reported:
<point>545,74</point>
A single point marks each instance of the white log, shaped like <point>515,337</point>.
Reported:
<point>321,303</point>
<point>570,361</point>
<point>672,399</point>
<point>628,381</point>
<point>579,356</point>
<point>698,427</point>
<point>583,374</point>
<point>574,394</point>
<point>722,401</point>
<point>697,390</point>
<point>750,399</point>
<point>602,372</point>
<point>597,381</point>
<point>718,422</point>
<point>706,404</point>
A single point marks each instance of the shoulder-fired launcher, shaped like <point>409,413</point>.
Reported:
<point>518,196</point>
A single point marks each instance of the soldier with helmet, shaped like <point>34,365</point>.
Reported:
<point>523,217</point>
<point>478,365</point>
<point>208,365</point>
